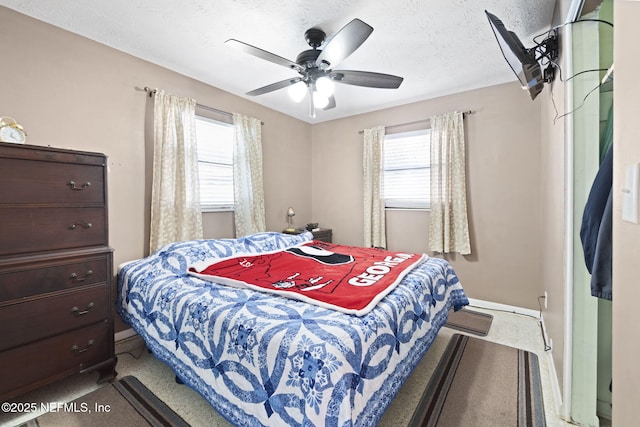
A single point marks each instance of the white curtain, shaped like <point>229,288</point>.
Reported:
<point>247,176</point>
<point>175,194</point>
<point>448,227</point>
<point>374,215</point>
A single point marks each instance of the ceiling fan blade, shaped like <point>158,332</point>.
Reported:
<point>331,104</point>
<point>367,79</point>
<point>274,86</point>
<point>263,54</point>
<point>344,43</point>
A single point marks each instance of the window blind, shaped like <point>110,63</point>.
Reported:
<point>215,164</point>
<point>406,169</point>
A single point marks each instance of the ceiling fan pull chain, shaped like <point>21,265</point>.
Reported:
<point>312,110</point>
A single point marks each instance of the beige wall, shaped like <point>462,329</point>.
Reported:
<point>626,236</point>
<point>503,186</point>
<point>552,207</point>
<point>70,92</point>
<point>73,93</point>
<point>552,204</point>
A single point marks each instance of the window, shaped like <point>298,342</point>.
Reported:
<point>215,164</point>
<point>406,169</point>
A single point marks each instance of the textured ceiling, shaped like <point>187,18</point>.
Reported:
<point>440,47</point>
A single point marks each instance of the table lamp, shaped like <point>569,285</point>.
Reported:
<point>290,214</point>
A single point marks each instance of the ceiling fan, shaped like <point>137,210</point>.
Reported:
<point>317,66</point>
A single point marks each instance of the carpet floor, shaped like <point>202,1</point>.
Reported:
<point>133,359</point>
<point>478,382</point>
<point>126,402</point>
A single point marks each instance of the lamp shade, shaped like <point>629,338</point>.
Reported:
<point>297,91</point>
<point>319,100</point>
<point>325,87</point>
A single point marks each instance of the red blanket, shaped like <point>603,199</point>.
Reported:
<point>345,278</point>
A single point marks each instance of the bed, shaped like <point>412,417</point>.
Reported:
<point>263,359</point>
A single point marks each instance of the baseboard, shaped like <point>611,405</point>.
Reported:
<point>504,307</point>
<point>123,335</point>
<point>553,373</point>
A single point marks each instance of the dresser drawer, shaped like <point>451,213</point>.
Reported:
<point>45,182</point>
<point>27,278</point>
<point>44,317</point>
<point>44,229</point>
<point>55,357</point>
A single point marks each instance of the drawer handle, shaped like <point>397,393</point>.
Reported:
<point>77,349</point>
<point>76,311</point>
<point>72,185</point>
<point>75,278</point>
<point>85,225</point>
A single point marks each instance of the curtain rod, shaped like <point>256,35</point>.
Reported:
<point>152,92</point>
<point>464,113</point>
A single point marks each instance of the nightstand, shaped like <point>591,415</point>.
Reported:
<point>322,234</point>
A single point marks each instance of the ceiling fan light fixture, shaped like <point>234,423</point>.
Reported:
<point>325,86</point>
<point>317,66</point>
<point>297,91</point>
<point>320,100</point>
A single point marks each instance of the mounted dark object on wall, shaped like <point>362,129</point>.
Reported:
<point>317,66</point>
<point>527,64</point>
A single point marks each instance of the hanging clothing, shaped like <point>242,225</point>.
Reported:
<point>595,231</point>
<point>601,283</point>
<point>606,139</point>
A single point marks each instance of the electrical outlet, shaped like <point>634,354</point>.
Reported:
<point>546,299</point>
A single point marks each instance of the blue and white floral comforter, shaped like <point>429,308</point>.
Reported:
<point>261,359</point>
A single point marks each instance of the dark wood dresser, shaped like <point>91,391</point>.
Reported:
<point>56,267</point>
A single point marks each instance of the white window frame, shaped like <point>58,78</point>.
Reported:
<point>226,162</point>
<point>407,202</point>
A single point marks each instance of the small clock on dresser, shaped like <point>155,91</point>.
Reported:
<point>11,131</point>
